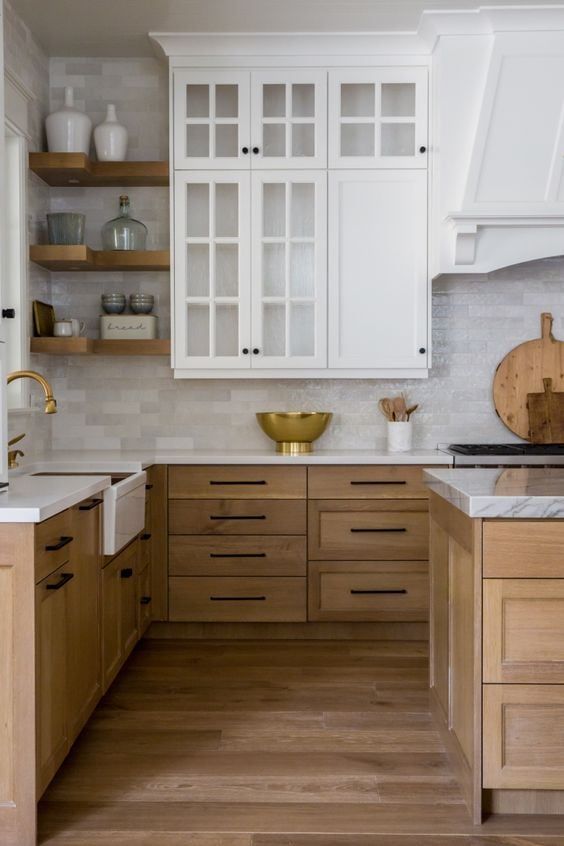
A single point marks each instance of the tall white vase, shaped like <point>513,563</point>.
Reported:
<point>68,129</point>
<point>110,138</point>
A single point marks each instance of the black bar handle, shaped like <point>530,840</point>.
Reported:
<point>380,482</point>
<point>92,504</point>
<point>238,555</point>
<point>146,536</point>
<point>357,592</point>
<point>145,600</point>
<point>65,540</point>
<point>238,517</point>
<point>65,577</point>
<point>126,573</point>
<point>378,530</point>
<point>245,482</point>
<point>237,598</point>
<point>149,487</point>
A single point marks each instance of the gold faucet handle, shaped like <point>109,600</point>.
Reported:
<point>13,455</point>
<point>16,440</point>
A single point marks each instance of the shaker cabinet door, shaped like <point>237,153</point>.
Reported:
<point>212,270</point>
<point>211,119</point>
<point>378,269</point>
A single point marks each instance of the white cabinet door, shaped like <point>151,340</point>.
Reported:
<point>211,119</point>
<point>289,119</point>
<point>289,278</point>
<point>212,270</point>
<point>378,269</point>
<point>378,118</point>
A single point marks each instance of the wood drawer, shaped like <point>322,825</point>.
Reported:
<point>524,631</point>
<point>523,549</point>
<point>52,544</point>
<point>258,555</point>
<point>240,600</point>
<point>523,736</point>
<point>366,482</point>
<point>237,517</point>
<point>235,482</point>
<point>363,591</point>
<point>368,531</point>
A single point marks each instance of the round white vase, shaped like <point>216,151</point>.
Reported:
<point>110,138</point>
<point>68,129</point>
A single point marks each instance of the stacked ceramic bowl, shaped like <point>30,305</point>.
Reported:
<point>113,303</point>
<point>141,303</point>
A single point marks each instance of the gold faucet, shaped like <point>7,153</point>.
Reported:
<point>50,408</point>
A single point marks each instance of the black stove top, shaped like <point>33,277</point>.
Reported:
<point>507,449</point>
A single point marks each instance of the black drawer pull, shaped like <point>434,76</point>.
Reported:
<point>55,546</point>
<point>238,555</point>
<point>237,598</point>
<point>358,592</point>
<point>126,573</point>
<point>402,482</point>
<point>149,487</point>
<point>378,530</point>
<point>92,504</point>
<point>65,577</point>
<point>245,482</point>
<point>146,536</point>
<point>238,517</point>
<point>145,600</point>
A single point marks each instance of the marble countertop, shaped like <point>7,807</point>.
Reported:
<point>31,499</point>
<point>511,492</point>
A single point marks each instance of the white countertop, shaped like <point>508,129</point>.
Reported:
<point>512,492</point>
<point>31,499</point>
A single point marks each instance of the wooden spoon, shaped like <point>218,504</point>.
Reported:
<point>400,408</point>
<point>386,406</point>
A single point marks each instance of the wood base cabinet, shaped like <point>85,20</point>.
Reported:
<point>120,630</point>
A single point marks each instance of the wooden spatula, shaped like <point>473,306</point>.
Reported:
<point>546,415</point>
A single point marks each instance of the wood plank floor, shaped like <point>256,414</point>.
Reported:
<point>271,743</point>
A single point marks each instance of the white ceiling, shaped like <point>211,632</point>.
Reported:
<point>120,27</point>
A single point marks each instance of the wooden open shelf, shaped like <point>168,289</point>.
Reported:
<point>94,346</point>
<point>78,170</point>
<point>80,257</point>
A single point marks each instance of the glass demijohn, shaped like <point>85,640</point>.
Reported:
<point>124,232</point>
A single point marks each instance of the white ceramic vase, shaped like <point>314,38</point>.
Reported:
<point>68,129</point>
<point>110,138</point>
<point>400,436</point>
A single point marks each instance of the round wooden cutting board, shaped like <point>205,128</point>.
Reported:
<point>522,372</point>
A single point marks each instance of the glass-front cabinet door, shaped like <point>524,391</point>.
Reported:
<point>378,118</point>
<point>212,270</point>
<point>289,265</point>
<point>211,119</point>
<point>289,119</point>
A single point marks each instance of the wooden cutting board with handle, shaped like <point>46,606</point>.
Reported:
<point>546,415</point>
<point>522,372</point>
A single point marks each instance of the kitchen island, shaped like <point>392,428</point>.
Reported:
<point>497,634</point>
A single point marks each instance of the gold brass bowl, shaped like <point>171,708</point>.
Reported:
<point>294,431</point>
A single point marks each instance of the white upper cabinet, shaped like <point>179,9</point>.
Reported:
<point>378,118</point>
<point>289,119</point>
<point>378,269</point>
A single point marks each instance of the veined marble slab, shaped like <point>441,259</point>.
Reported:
<point>518,492</point>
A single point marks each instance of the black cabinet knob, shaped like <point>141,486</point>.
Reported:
<point>245,350</point>
<point>422,350</point>
<point>244,150</point>
<point>255,150</point>
<point>422,149</point>
<point>8,312</point>
<point>256,351</point>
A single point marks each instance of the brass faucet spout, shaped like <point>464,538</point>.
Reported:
<point>50,401</point>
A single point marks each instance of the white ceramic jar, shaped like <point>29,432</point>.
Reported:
<point>400,436</point>
<point>68,129</point>
<point>110,138</point>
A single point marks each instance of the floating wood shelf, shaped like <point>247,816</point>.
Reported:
<point>77,170</point>
<point>81,257</point>
<point>94,346</point>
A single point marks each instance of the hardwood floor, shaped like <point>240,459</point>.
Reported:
<point>270,743</point>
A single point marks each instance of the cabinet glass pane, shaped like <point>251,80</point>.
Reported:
<point>303,139</point>
<point>302,329</point>
<point>274,210</point>
<point>302,217</point>
<point>357,139</point>
<point>274,329</point>
<point>198,140</point>
<point>226,101</point>
<point>198,330</point>
<point>398,99</point>
<point>302,264</point>
<point>274,270</point>
<point>274,139</point>
<point>358,99</point>
<point>226,140</point>
<point>226,210</point>
<point>198,270</point>
<point>227,330</point>
<point>226,270</point>
<point>197,210</point>
<point>303,100</point>
<point>398,139</point>
<point>274,100</point>
<point>197,101</point>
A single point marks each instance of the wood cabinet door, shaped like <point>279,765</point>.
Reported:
<point>144,599</point>
<point>84,677</point>
<point>128,569</point>
<point>112,652</point>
